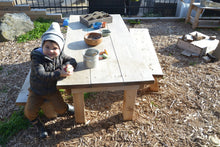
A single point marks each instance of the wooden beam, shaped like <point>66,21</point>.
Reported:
<point>111,88</point>
<point>35,15</point>
<point>79,104</point>
<point>128,104</point>
<point>209,24</point>
<point>57,17</point>
<point>154,87</point>
<point>23,95</point>
<point>7,3</point>
<point>36,12</point>
<point>15,8</point>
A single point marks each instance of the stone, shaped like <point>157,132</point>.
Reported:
<point>13,25</point>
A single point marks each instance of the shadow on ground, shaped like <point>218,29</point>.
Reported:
<point>65,130</point>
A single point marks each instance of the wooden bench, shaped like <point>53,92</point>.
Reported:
<point>144,43</point>
<point>23,95</point>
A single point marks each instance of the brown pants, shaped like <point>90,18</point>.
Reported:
<point>51,105</point>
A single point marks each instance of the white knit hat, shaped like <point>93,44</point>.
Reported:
<point>54,34</point>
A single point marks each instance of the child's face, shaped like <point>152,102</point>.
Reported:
<point>51,49</point>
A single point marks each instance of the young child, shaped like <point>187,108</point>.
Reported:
<point>47,64</point>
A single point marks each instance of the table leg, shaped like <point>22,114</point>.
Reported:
<point>79,104</point>
<point>196,18</point>
<point>128,103</point>
<point>154,87</point>
<point>189,14</point>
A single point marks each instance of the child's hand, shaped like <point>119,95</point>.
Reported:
<point>68,68</point>
<point>66,71</point>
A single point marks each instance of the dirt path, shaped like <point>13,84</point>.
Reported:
<point>185,111</point>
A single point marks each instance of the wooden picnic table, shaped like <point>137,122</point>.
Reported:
<point>124,68</point>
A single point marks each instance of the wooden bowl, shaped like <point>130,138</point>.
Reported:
<point>93,38</point>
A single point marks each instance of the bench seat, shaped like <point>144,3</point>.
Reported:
<point>23,95</point>
<point>144,43</point>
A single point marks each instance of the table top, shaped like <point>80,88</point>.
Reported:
<point>211,8</point>
<point>124,65</point>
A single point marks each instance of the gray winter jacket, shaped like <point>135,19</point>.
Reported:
<point>43,78</point>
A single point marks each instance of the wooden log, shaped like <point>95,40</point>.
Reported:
<point>216,53</point>
<point>56,17</point>
<point>15,8</point>
<point>33,12</point>
<point>7,3</point>
<point>35,15</point>
<point>188,46</point>
<point>200,47</point>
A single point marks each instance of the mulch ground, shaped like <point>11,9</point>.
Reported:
<point>185,111</point>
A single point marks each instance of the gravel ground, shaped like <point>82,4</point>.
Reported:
<point>185,111</point>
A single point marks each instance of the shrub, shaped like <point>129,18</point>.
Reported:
<point>9,128</point>
<point>40,26</point>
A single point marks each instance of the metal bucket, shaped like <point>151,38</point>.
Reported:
<point>91,58</point>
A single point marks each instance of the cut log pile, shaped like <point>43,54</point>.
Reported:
<point>197,44</point>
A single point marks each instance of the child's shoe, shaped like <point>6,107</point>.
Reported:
<point>41,127</point>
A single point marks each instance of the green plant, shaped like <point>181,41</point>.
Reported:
<point>64,31</point>
<point>191,63</point>
<point>40,26</point>
<point>153,104</point>
<point>41,113</point>
<point>4,89</point>
<point>88,95</point>
<point>9,128</point>
<point>61,90</point>
<point>216,29</point>
<point>134,21</point>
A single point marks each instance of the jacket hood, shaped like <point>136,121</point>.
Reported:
<point>35,52</point>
